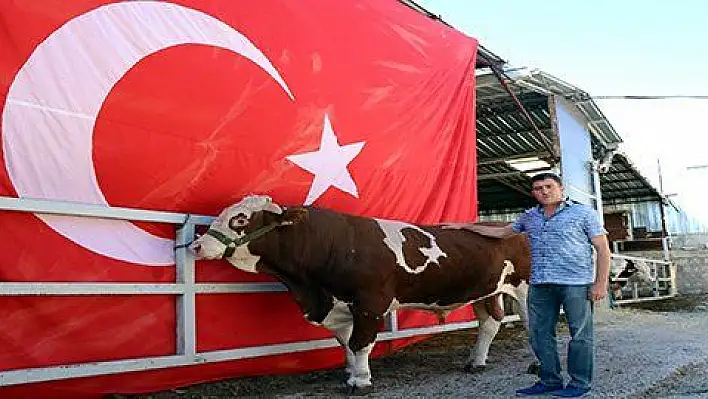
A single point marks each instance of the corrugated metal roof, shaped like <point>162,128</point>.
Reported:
<point>624,184</point>
<point>504,133</point>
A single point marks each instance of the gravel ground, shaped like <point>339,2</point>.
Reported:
<point>653,350</point>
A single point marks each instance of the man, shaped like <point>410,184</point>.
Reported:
<point>561,233</point>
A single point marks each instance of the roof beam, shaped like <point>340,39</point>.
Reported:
<point>619,181</point>
<point>491,161</point>
<point>514,133</point>
<point>496,176</point>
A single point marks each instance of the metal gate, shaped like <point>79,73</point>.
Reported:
<point>663,287</point>
<point>184,288</point>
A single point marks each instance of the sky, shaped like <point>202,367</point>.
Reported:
<point>611,47</point>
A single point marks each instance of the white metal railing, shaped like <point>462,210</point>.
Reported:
<point>185,288</point>
<point>667,278</point>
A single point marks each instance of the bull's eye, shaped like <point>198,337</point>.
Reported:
<point>238,222</point>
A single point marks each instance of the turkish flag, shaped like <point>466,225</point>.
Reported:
<point>365,107</point>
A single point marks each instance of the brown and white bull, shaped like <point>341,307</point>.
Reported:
<point>347,272</point>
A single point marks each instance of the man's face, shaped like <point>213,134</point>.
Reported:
<point>547,191</point>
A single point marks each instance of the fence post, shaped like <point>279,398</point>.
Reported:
<point>392,321</point>
<point>186,302</point>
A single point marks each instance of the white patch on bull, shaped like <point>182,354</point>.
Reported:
<point>393,230</point>
<point>243,259</point>
<point>506,272</point>
<point>337,318</point>
<point>249,205</point>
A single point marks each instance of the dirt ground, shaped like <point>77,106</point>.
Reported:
<point>656,349</point>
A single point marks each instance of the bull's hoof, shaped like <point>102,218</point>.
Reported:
<point>353,390</point>
<point>534,368</point>
<point>469,368</point>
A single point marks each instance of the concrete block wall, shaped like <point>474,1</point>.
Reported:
<point>697,241</point>
<point>691,270</point>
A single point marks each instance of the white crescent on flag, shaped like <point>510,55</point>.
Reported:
<point>56,96</point>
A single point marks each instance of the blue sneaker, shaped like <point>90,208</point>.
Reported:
<point>570,392</point>
<point>538,388</point>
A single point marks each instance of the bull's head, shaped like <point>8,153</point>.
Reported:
<point>236,226</point>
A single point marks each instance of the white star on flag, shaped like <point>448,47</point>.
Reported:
<point>329,164</point>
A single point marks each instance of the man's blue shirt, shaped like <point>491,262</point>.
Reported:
<point>561,251</point>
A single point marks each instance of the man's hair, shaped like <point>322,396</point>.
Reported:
<point>546,175</point>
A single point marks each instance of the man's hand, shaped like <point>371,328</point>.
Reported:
<point>598,291</point>
<point>455,225</point>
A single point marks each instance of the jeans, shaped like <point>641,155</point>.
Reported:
<point>544,303</point>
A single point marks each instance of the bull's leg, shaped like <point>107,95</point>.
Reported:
<point>521,295</point>
<point>488,328</point>
<point>361,343</point>
<point>361,377</point>
<point>341,322</point>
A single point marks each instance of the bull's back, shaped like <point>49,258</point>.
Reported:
<point>348,254</point>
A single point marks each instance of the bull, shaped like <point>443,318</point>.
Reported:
<point>347,272</point>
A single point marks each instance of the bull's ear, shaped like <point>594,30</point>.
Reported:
<point>292,216</point>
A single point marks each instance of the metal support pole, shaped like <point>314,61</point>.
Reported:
<point>664,229</point>
<point>595,168</point>
<point>186,302</point>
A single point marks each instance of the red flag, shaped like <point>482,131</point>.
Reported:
<point>365,107</point>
